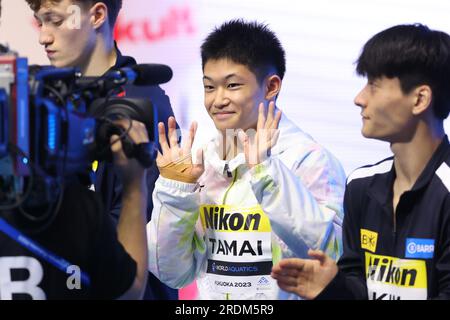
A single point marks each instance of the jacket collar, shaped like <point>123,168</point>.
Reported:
<point>122,61</point>
<point>288,137</point>
<point>381,187</point>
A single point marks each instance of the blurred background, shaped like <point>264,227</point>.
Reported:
<point>322,39</point>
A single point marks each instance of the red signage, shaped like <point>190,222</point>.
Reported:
<point>177,22</point>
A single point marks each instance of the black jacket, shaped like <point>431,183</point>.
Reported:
<point>403,258</point>
<point>107,182</point>
<point>80,234</point>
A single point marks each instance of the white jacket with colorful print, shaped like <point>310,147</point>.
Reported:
<point>228,230</point>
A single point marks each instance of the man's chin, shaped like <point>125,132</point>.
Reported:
<point>56,64</point>
<point>225,126</point>
<point>59,64</point>
<point>375,136</point>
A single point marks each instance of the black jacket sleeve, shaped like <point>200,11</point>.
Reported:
<point>113,270</point>
<point>350,282</point>
<point>443,257</point>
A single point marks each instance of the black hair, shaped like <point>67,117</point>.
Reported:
<point>415,55</point>
<point>248,43</point>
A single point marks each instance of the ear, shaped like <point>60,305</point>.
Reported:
<point>422,96</point>
<point>99,14</point>
<point>273,87</point>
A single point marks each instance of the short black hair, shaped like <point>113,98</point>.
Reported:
<point>416,55</point>
<point>248,43</point>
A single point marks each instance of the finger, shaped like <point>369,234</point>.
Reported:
<point>137,132</point>
<point>276,120</point>
<point>318,255</point>
<point>199,164</point>
<point>276,268</point>
<point>245,141</point>
<point>288,268</point>
<point>123,123</point>
<point>293,263</point>
<point>270,116</point>
<point>261,117</point>
<point>162,138</point>
<point>116,143</point>
<point>288,272</point>
<point>187,145</point>
<point>275,134</point>
<point>173,137</point>
<point>287,280</point>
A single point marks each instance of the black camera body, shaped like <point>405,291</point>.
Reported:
<point>54,123</point>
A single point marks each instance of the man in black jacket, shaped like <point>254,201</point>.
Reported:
<point>67,259</point>
<point>397,212</point>
<point>76,252</point>
<point>79,33</point>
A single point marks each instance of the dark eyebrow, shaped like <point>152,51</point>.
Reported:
<point>226,78</point>
<point>48,14</point>
<point>231,76</point>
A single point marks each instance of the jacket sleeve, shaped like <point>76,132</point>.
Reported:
<point>175,241</point>
<point>350,282</point>
<point>304,203</point>
<point>443,257</point>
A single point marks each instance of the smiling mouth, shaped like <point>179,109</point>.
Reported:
<point>223,115</point>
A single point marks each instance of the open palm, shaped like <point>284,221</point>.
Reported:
<point>258,145</point>
<point>175,162</point>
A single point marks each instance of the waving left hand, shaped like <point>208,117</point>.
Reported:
<point>258,145</point>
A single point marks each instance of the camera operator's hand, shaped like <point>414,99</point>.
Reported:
<point>129,169</point>
<point>174,162</point>
<point>131,228</point>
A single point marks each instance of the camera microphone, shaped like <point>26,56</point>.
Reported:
<point>151,74</point>
<point>139,75</point>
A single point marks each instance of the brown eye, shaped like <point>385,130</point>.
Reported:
<point>57,22</point>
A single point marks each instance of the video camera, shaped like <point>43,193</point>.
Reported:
<point>54,123</point>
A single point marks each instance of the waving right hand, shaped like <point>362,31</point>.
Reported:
<point>175,162</point>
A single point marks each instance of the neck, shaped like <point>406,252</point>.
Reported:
<point>102,58</point>
<point>230,145</point>
<point>411,157</point>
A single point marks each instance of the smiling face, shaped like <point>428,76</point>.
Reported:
<point>232,94</point>
<point>66,32</point>
<point>386,111</point>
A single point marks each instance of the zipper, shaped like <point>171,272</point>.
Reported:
<point>229,174</point>
<point>232,183</point>
<point>227,169</point>
<point>394,231</point>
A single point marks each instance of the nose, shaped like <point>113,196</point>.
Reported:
<point>360,99</point>
<point>220,98</point>
<point>45,36</point>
